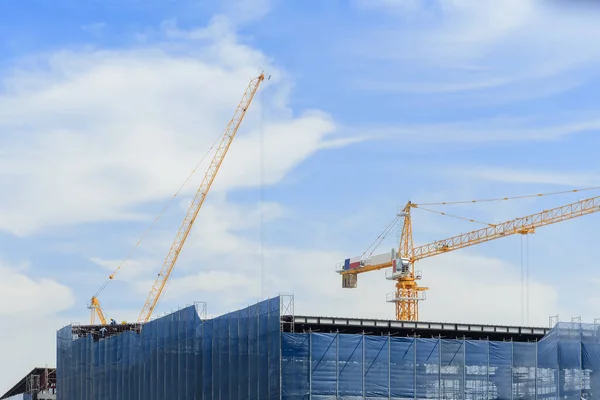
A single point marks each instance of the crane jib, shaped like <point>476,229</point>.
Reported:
<point>408,292</point>
<point>175,250</point>
<point>163,276</point>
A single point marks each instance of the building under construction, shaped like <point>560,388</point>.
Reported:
<point>38,384</point>
<point>266,352</point>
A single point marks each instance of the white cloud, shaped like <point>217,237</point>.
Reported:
<point>27,343</point>
<point>29,310</point>
<point>96,133</point>
<point>213,281</point>
<point>472,288</point>
<point>215,258</point>
<point>130,269</point>
<point>22,295</point>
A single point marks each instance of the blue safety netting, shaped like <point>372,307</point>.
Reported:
<point>244,355</point>
<point>327,366</point>
<point>179,356</point>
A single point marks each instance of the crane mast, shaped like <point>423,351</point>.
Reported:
<point>408,293</point>
<point>407,290</point>
<point>209,177</point>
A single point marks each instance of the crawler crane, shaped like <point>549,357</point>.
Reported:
<point>186,226</point>
<point>402,261</point>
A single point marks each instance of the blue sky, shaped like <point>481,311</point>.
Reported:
<point>106,106</point>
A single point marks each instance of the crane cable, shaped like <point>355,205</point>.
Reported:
<point>377,242</point>
<point>373,246</point>
<point>419,205</point>
<point>522,286</point>
<point>508,198</point>
<point>262,195</point>
<point>388,228</point>
<point>525,280</point>
<point>164,209</point>
<point>452,215</point>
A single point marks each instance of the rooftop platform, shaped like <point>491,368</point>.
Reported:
<point>377,327</point>
<point>443,330</point>
<point>103,331</point>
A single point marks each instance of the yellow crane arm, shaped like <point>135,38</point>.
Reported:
<point>96,310</point>
<point>523,225</point>
<point>186,225</point>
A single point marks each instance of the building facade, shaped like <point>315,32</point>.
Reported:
<point>258,353</point>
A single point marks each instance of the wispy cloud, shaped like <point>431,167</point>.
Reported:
<point>500,129</point>
<point>431,87</point>
<point>245,11</point>
<point>519,176</point>
<point>20,294</point>
<point>94,29</point>
<point>460,46</point>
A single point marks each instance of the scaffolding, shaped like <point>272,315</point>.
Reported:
<point>39,384</point>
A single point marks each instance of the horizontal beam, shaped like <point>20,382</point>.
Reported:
<point>421,325</point>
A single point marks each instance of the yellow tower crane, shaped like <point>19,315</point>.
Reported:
<point>163,276</point>
<point>408,293</point>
